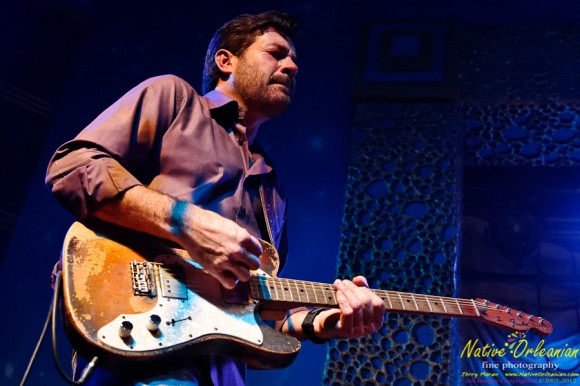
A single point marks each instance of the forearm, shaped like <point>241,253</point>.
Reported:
<point>157,214</point>
<point>292,324</point>
<point>143,210</point>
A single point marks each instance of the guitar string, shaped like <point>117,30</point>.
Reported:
<point>412,298</point>
<point>431,300</point>
<point>328,288</point>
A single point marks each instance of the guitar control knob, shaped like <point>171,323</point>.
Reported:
<point>125,329</point>
<point>153,323</point>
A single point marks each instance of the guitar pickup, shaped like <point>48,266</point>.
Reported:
<point>143,278</point>
<point>171,279</point>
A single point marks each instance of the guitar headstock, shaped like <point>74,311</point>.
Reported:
<point>511,319</point>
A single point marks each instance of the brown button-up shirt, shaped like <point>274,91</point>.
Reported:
<point>164,135</point>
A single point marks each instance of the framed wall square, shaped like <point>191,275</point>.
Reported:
<point>405,53</point>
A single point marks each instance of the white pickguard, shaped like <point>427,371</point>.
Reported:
<point>184,317</point>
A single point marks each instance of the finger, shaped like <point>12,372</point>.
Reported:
<point>252,245</point>
<point>345,322</point>
<point>226,279</point>
<point>379,311</point>
<point>360,281</point>
<point>241,272</point>
<point>246,258</point>
<point>253,261</point>
<point>351,308</point>
<point>373,309</point>
<point>360,299</point>
<point>378,305</point>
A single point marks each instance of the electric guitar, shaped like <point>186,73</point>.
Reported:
<point>129,300</point>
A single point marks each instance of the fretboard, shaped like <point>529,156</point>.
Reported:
<point>323,295</point>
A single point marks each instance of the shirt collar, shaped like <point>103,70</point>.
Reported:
<point>223,108</point>
<point>217,99</point>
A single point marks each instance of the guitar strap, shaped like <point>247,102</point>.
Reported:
<point>274,210</point>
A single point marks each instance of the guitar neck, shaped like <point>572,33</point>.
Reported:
<point>296,292</point>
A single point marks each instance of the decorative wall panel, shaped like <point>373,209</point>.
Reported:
<point>400,229</point>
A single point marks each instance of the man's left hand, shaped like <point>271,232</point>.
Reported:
<point>361,312</point>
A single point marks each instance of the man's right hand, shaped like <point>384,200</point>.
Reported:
<point>223,248</point>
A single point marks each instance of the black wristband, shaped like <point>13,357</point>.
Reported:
<point>308,326</point>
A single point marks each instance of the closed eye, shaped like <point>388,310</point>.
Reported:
<point>278,55</point>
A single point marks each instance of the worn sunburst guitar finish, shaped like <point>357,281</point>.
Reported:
<point>129,300</point>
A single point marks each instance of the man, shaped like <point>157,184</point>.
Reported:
<point>168,162</point>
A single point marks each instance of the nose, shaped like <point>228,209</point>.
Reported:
<point>289,67</point>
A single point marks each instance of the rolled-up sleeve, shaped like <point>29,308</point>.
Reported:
<point>102,161</point>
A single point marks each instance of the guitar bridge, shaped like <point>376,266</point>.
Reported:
<point>143,278</point>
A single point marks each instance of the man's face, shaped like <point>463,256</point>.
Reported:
<point>265,75</point>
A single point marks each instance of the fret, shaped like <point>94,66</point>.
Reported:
<point>389,300</point>
<point>402,303</point>
<point>475,310</point>
<point>315,292</point>
<point>298,291</point>
<point>429,304</point>
<point>443,304</point>
<point>329,295</point>
<point>438,306</point>
<point>323,293</point>
<point>306,292</point>
<point>452,306</point>
<point>415,301</point>
<point>275,288</point>
<point>288,290</point>
<point>282,295</point>
<point>458,306</point>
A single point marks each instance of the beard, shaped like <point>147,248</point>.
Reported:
<point>270,95</point>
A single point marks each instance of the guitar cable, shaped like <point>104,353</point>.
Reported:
<point>35,352</point>
<point>51,317</point>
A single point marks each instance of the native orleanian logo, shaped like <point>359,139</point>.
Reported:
<point>513,339</point>
<point>518,346</point>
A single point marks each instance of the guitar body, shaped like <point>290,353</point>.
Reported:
<point>130,300</point>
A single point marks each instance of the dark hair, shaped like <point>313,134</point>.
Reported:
<point>238,34</point>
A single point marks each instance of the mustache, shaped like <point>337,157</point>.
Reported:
<point>282,79</point>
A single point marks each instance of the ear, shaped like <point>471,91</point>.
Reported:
<point>225,61</point>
